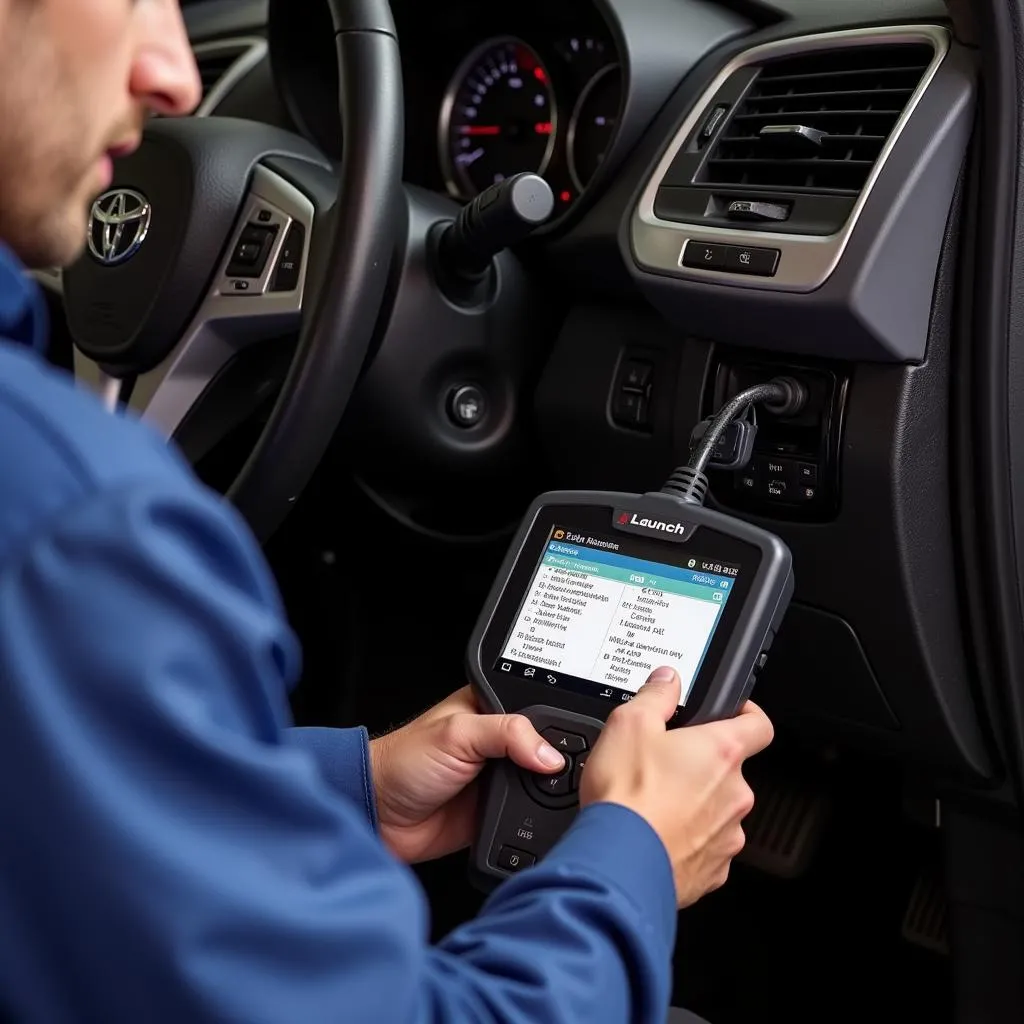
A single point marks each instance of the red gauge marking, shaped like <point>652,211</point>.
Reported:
<point>540,74</point>
<point>543,128</point>
<point>479,129</point>
<point>525,59</point>
<point>566,196</point>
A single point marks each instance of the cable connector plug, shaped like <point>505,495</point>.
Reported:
<point>783,396</point>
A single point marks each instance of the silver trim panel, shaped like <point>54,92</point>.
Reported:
<point>227,321</point>
<point>251,50</point>
<point>806,261</point>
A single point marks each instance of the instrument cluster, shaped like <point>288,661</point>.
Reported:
<point>490,89</point>
<point>550,106</point>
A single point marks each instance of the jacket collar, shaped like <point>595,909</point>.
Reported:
<point>23,316</point>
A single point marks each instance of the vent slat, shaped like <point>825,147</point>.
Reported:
<point>868,73</point>
<point>767,116</point>
<point>807,162</point>
<point>214,67</point>
<point>832,94</point>
<point>854,95</point>
<point>829,140</point>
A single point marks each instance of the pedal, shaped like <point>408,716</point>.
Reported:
<point>925,922</point>
<point>784,828</point>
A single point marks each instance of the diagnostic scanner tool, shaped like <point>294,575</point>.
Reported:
<point>597,590</point>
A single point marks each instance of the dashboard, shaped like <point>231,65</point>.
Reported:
<point>695,252</point>
<point>499,89</point>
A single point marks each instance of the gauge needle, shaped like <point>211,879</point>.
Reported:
<point>479,129</point>
<point>465,159</point>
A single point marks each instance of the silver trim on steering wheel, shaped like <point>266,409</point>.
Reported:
<point>228,319</point>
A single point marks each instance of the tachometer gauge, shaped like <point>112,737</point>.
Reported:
<point>498,117</point>
<point>592,128</point>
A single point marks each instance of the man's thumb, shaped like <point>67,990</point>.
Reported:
<point>661,692</point>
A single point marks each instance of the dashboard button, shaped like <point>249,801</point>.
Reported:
<point>637,375</point>
<point>807,474</point>
<point>630,409</point>
<point>759,262</point>
<point>466,406</point>
<point>705,254</point>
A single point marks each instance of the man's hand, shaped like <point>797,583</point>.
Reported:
<point>686,783</point>
<point>423,773</point>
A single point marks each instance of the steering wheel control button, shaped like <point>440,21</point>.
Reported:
<point>759,262</point>
<point>467,406</point>
<point>289,260</point>
<point>511,859</point>
<point>565,742</point>
<point>704,254</point>
<point>252,250</point>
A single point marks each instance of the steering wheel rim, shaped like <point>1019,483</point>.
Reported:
<point>353,216</point>
<point>355,272</point>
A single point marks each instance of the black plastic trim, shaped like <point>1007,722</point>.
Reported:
<point>215,19</point>
<point>998,397</point>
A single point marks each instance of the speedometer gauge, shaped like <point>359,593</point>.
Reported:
<point>593,124</point>
<point>498,117</point>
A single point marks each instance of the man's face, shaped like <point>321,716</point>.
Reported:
<point>77,78</point>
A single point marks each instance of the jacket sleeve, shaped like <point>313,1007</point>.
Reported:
<point>180,856</point>
<point>343,757</point>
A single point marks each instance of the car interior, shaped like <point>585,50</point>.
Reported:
<point>741,189</point>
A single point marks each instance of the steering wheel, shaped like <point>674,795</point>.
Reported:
<point>218,234</point>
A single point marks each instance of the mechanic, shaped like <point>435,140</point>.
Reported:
<point>171,849</point>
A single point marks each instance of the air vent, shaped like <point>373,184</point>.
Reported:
<point>223,64</point>
<point>816,123</point>
<point>214,67</point>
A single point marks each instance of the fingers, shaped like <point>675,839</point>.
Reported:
<point>660,694</point>
<point>749,732</point>
<point>461,700</point>
<point>477,738</point>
